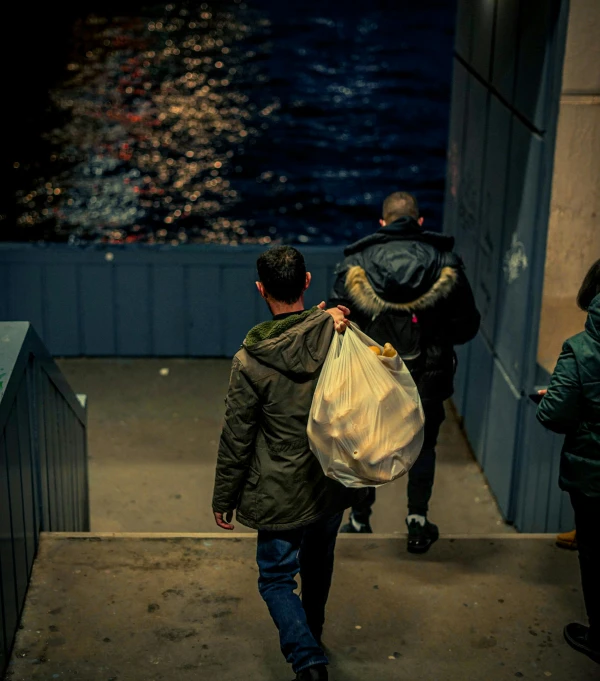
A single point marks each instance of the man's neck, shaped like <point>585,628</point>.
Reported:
<point>283,308</point>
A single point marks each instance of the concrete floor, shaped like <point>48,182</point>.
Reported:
<point>153,443</point>
<point>184,609</point>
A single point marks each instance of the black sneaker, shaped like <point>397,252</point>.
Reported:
<point>354,527</point>
<point>421,537</point>
<point>577,636</point>
<point>317,672</point>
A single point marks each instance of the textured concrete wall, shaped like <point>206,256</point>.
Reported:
<point>574,228</point>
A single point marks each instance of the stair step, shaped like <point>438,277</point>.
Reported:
<point>152,606</point>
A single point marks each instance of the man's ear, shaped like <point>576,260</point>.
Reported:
<point>308,280</point>
<point>382,222</point>
<point>261,289</point>
<point>421,221</point>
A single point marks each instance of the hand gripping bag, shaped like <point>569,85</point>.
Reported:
<point>366,420</point>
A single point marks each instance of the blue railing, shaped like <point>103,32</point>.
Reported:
<point>43,464</point>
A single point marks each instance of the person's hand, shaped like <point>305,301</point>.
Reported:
<point>223,520</point>
<point>339,314</point>
<point>542,392</point>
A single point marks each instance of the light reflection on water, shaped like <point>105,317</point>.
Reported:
<point>235,123</point>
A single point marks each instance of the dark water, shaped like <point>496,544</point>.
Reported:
<point>237,122</point>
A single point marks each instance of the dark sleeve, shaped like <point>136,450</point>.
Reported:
<point>559,410</point>
<point>237,439</point>
<point>462,319</point>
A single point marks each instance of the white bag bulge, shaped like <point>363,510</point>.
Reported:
<point>366,420</point>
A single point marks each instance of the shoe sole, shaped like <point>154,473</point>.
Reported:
<point>420,550</point>
<point>348,528</point>
<point>582,649</point>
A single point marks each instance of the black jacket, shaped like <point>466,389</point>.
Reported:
<point>402,273</point>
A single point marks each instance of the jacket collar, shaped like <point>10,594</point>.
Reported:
<point>403,229</point>
<point>275,327</point>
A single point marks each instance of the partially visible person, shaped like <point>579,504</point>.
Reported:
<point>406,286</point>
<point>265,469</point>
<point>571,406</point>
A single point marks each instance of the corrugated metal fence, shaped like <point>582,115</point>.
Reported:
<point>507,76</point>
<point>43,464</point>
<point>192,301</point>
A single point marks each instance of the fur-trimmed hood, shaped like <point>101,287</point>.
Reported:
<point>400,267</point>
<point>369,301</point>
<point>362,293</point>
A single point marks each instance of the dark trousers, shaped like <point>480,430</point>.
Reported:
<point>421,475</point>
<point>281,556</point>
<point>587,521</point>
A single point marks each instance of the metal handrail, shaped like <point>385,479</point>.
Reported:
<point>43,464</point>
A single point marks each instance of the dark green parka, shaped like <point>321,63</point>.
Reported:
<point>265,468</point>
<point>572,407</point>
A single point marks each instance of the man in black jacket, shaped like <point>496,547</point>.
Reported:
<point>405,286</point>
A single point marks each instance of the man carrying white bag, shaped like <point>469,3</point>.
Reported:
<point>366,421</point>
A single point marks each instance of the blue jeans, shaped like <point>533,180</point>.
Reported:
<point>281,555</point>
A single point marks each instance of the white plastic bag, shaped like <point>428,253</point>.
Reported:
<point>366,420</point>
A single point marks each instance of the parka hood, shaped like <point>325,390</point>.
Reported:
<point>401,267</point>
<point>296,345</point>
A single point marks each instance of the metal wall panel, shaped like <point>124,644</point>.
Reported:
<point>501,438</point>
<point>169,327</point>
<point>43,465</point>
<point>464,28</point>
<point>493,203</point>
<point>477,401</point>
<point>17,504</point>
<point>4,292</point>
<point>26,294</point>
<point>541,453</point>
<point>41,431</point>
<point>97,311</point>
<point>537,28</point>
<point>188,301</point>
<point>512,52</point>
<point>206,328</point>
<point>4,648</point>
<point>133,295</point>
<point>484,15</point>
<point>10,602</point>
<point>542,507</point>
<point>458,124</point>
<point>463,354</point>
<point>26,461</point>
<point>514,328</point>
<point>504,58</point>
<point>469,201</point>
<point>61,314</point>
<point>51,443</point>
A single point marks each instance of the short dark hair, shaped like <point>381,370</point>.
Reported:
<point>400,205</point>
<point>590,287</point>
<point>282,271</point>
